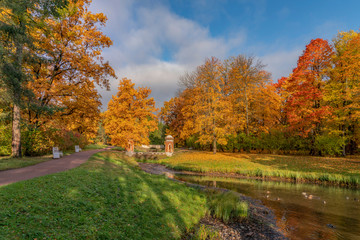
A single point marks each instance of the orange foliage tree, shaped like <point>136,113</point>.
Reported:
<point>65,85</point>
<point>130,115</point>
<point>304,105</point>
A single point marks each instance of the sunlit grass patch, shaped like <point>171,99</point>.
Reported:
<point>298,168</point>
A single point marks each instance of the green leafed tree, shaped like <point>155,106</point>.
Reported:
<point>18,18</point>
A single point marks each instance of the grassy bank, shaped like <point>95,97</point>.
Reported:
<point>105,198</point>
<point>299,168</point>
<point>7,163</point>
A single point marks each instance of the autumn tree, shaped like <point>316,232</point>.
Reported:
<point>18,19</point>
<point>246,79</point>
<point>171,115</point>
<point>201,108</point>
<point>220,99</point>
<point>342,90</point>
<point>315,108</point>
<point>305,106</point>
<point>265,109</point>
<point>211,105</point>
<point>65,85</point>
<point>130,115</point>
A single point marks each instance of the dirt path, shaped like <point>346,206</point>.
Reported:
<point>45,168</point>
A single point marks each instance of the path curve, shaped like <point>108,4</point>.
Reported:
<point>46,168</point>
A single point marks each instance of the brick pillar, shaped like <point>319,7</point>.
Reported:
<point>130,147</point>
<point>169,145</point>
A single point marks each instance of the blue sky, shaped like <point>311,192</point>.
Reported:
<point>155,42</point>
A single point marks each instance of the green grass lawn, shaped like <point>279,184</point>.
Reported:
<point>118,148</point>
<point>7,163</point>
<point>95,146</point>
<point>335,170</point>
<point>105,198</point>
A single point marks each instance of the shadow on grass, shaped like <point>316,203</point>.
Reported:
<point>106,198</point>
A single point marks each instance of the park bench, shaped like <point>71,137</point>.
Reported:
<point>57,153</point>
<point>77,148</point>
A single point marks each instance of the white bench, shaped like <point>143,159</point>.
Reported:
<point>57,153</point>
<point>77,148</point>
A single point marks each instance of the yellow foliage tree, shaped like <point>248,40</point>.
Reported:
<point>266,109</point>
<point>130,115</point>
<point>65,85</point>
<point>246,82</point>
<point>221,99</point>
<point>342,91</point>
<point>213,115</point>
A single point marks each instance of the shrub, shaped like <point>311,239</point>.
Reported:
<point>66,139</point>
<point>192,142</point>
<point>330,144</point>
<point>5,140</point>
<point>34,142</point>
<point>274,141</point>
<point>243,142</point>
<point>231,143</point>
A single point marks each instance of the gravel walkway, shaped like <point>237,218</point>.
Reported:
<point>45,168</point>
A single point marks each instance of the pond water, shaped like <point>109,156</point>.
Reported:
<point>303,211</point>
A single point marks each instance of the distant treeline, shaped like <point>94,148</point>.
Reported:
<point>233,105</point>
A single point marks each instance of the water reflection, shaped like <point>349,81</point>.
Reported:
<point>303,211</point>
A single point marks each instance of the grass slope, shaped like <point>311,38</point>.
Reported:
<point>334,170</point>
<point>7,163</point>
<point>105,198</point>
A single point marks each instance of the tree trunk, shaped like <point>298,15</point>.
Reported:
<point>16,132</point>
<point>16,127</point>
<point>247,112</point>
<point>214,145</point>
<point>344,147</point>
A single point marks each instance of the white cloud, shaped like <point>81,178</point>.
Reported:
<point>142,36</point>
<point>281,63</point>
<point>161,77</point>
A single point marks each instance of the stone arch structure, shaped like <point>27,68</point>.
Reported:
<point>169,145</point>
